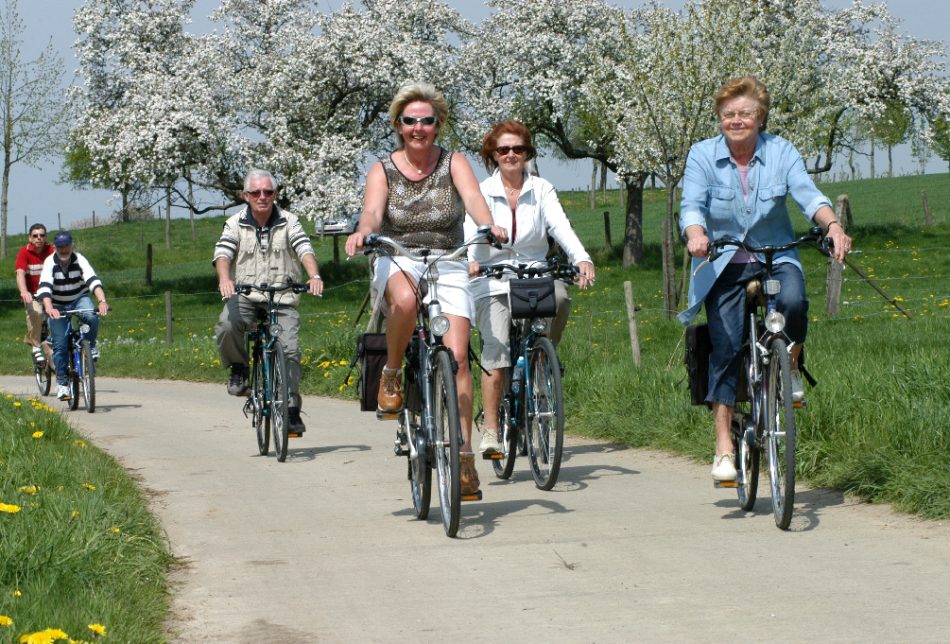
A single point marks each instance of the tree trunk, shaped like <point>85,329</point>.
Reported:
<point>633,227</point>
<point>603,181</point>
<point>4,195</point>
<point>890,160</point>
<point>667,248</point>
<point>191,207</point>
<point>593,184</point>
<point>871,159</point>
<point>168,218</point>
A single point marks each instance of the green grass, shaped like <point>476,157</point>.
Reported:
<point>82,548</point>
<point>876,425</point>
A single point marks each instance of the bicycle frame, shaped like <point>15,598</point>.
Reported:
<point>75,374</point>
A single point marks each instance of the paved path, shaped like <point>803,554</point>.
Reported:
<point>631,545</point>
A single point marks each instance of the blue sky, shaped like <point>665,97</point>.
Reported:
<point>36,196</point>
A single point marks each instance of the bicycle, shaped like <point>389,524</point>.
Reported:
<point>269,398</point>
<point>429,431</point>
<point>765,420</point>
<point>43,370</point>
<point>80,366</point>
<point>531,413</point>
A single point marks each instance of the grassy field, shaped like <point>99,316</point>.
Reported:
<point>877,425</point>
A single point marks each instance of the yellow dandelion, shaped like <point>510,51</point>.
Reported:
<point>74,514</point>
<point>29,489</point>
<point>98,629</point>
<point>343,363</point>
<point>48,636</point>
<point>9,396</point>
<point>116,530</point>
<point>89,486</point>
<point>9,508</point>
<point>5,621</point>
<point>37,434</point>
<point>18,404</point>
<point>80,443</point>
<point>17,593</point>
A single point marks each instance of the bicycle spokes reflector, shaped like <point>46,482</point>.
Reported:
<point>276,329</point>
<point>773,287</point>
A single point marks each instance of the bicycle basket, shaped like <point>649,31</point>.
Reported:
<point>531,298</point>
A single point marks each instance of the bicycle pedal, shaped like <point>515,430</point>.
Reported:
<point>294,434</point>
<point>387,415</point>
<point>493,456</point>
<point>726,484</point>
<point>801,404</point>
<point>472,497</point>
<point>399,450</point>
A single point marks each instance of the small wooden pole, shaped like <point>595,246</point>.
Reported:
<point>928,218</point>
<point>632,322</point>
<point>93,218</point>
<point>833,287</point>
<point>607,243</point>
<point>843,211</point>
<point>148,265</point>
<point>169,338</point>
<point>336,250</point>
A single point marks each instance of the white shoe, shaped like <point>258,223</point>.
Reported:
<point>38,356</point>
<point>63,393</point>
<point>798,387</point>
<point>490,443</point>
<point>724,468</point>
<point>94,352</point>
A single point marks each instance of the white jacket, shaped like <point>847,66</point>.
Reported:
<point>539,214</point>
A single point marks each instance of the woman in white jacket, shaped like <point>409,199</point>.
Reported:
<point>528,207</point>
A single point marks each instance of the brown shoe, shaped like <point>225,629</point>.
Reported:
<point>468,475</point>
<point>389,398</point>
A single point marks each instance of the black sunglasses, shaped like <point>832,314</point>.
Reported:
<point>517,149</point>
<point>38,235</point>
<point>412,120</point>
<point>257,193</point>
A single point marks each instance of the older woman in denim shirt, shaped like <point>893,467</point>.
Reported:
<point>735,186</point>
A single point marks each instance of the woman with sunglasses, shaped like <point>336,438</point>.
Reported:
<point>528,207</point>
<point>418,195</point>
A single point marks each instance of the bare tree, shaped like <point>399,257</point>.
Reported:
<point>32,107</point>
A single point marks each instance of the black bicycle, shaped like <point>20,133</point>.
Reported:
<point>764,420</point>
<point>269,399</point>
<point>429,433</point>
<point>531,413</point>
<point>80,366</point>
<point>43,370</point>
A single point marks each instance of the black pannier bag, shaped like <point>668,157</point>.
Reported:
<point>532,298</point>
<point>371,353</point>
<point>698,348</point>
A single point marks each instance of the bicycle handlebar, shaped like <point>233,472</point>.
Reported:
<point>264,287</point>
<point>815,235</point>
<point>374,242</point>
<point>79,311</point>
<point>554,268</point>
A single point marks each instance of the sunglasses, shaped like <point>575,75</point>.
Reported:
<point>38,235</point>
<point>412,120</point>
<point>517,149</point>
<point>258,193</point>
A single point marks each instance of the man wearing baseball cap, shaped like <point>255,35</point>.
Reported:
<point>65,283</point>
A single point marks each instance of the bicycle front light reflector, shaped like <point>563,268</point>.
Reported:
<point>84,328</point>
<point>539,325</point>
<point>775,322</point>
<point>276,329</point>
<point>439,325</point>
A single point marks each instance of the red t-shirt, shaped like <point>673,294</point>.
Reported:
<point>32,264</point>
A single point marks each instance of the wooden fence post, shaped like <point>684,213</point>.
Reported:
<point>833,287</point>
<point>632,322</point>
<point>607,244</point>
<point>168,317</point>
<point>928,218</point>
<point>93,218</point>
<point>843,211</point>
<point>148,265</point>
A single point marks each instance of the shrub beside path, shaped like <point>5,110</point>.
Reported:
<point>630,545</point>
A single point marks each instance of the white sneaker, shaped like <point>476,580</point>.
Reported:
<point>38,356</point>
<point>63,393</point>
<point>490,443</point>
<point>724,468</point>
<point>94,352</point>
<point>798,387</point>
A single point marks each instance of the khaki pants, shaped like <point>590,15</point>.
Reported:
<point>34,323</point>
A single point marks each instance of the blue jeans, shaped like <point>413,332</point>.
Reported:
<point>59,329</point>
<point>725,313</point>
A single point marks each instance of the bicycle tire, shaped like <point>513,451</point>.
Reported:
<point>260,419</point>
<point>73,377</point>
<point>87,369</point>
<point>544,413</point>
<point>447,434</point>
<point>508,434</point>
<point>780,433</point>
<point>44,377</point>
<point>279,400</point>
<point>747,459</point>
<point>420,470</point>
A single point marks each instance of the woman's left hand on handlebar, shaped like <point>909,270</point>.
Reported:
<point>473,268</point>
<point>840,243</point>
<point>354,243</point>
<point>585,278</point>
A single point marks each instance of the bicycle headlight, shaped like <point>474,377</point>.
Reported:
<point>775,322</point>
<point>539,325</point>
<point>276,329</point>
<point>84,328</point>
<point>439,325</point>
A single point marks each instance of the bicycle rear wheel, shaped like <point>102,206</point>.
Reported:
<point>747,461</point>
<point>72,373</point>
<point>279,399</point>
<point>260,419</point>
<point>420,469</point>
<point>44,377</point>
<point>87,369</point>
<point>447,434</point>
<point>544,413</point>
<point>780,433</point>
<point>507,434</point>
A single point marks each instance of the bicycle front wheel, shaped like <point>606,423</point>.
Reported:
<point>780,433</point>
<point>447,433</point>
<point>259,417</point>
<point>72,373</point>
<point>87,368</point>
<point>279,399</point>
<point>544,413</point>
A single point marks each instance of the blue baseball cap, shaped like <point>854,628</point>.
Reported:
<point>63,238</point>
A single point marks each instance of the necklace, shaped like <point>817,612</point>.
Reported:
<point>406,157</point>
<point>512,191</point>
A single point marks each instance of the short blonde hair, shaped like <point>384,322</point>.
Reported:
<point>411,92</point>
<point>749,86</point>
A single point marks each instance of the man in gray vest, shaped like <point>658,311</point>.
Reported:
<point>262,243</point>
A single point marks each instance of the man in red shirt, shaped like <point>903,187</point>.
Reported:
<point>29,263</point>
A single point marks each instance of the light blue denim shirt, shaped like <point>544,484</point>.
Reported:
<point>713,199</point>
